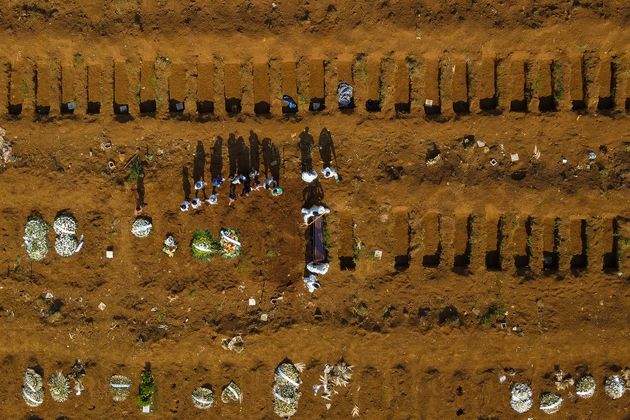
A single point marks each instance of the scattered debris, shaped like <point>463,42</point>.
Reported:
<point>493,162</point>
<point>338,374</point>
<point>481,143</point>
<point>514,157</point>
<point>264,317</point>
<point>147,391</point>
<point>35,241</point>
<point>378,254</point>
<point>252,302</point>
<point>235,344</point>
<point>536,154</point>
<point>311,283</point>
<point>592,156</point>
<point>355,411</point>
<point>102,306</point>
<point>109,253</point>
<point>562,380</point>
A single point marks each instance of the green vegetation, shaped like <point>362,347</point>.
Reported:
<point>25,89</point>
<point>494,312</point>
<point>558,86</point>
<point>361,309</point>
<point>147,390</point>
<point>361,70</point>
<point>136,170</point>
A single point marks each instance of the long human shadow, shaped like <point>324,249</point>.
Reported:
<point>271,159</point>
<point>254,151</point>
<point>233,154</point>
<point>327,147</point>
<point>199,162</point>
<point>216,159</point>
<point>186,182</point>
<point>244,165</point>
<point>305,145</point>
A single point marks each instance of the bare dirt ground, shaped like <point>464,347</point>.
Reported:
<point>486,270</point>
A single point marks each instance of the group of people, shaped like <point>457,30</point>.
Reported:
<point>250,183</point>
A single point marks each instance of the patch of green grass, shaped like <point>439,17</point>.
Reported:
<point>361,70</point>
<point>271,253</point>
<point>77,59</point>
<point>161,316</point>
<point>303,99</point>
<point>536,87</point>
<point>494,312</point>
<point>361,309</point>
<point>25,89</point>
<point>558,86</point>
<point>136,170</point>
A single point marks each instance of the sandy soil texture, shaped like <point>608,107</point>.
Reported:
<point>504,248</point>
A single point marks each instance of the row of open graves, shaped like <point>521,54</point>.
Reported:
<point>430,84</point>
<point>469,242</point>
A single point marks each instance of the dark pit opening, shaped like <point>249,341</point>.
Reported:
<point>287,110</point>
<point>233,106</point>
<point>518,105</point>
<point>462,261</point>
<point>121,109</point>
<point>347,263</point>
<point>316,104</point>
<point>262,108</point>
<point>15,109</point>
<point>488,104</point>
<point>627,104</point>
<point>521,261</point>
<point>205,107</point>
<point>432,261</point>
<point>551,259</point>
<point>605,103</point>
<point>176,106</point>
<point>42,110</point>
<point>611,260</point>
<point>546,104</point>
<point>373,105</point>
<point>148,107</point>
<point>93,107</point>
<point>493,258</point>
<point>578,105</point>
<point>68,107</point>
<point>402,108</point>
<point>579,262</point>
<point>432,109</point>
<point>461,107</point>
<point>401,262</point>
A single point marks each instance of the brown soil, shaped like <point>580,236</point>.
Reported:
<point>546,242</point>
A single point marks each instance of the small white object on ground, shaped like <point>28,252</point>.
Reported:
<point>481,143</point>
<point>264,317</point>
<point>309,176</point>
<point>514,157</point>
<point>378,254</point>
<point>252,302</point>
<point>493,162</point>
<point>102,306</point>
<point>311,283</point>
<point>109,254</point>
<point>428,102</point>
<point>321,268</point>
